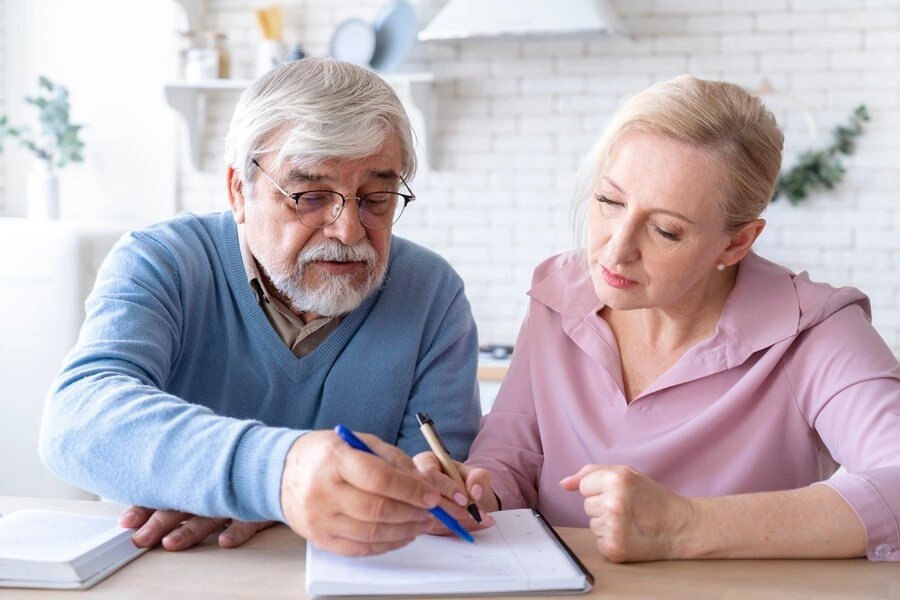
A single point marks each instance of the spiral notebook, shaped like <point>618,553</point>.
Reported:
<point>520,554</point>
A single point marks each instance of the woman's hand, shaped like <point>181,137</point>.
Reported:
<point>633,517</point>
<point>478,486</point>
<point>180,530</point>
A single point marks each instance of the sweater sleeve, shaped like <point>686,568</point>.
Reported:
<point>444,349</point>
<point>111,427</point>
<point>848,384</point>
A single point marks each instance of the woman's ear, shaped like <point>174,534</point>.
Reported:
<point>235,194</point>
<point>741,242</point>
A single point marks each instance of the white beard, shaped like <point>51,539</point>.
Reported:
<point>338,294</point>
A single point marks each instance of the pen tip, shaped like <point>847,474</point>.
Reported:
<point>473,510</point>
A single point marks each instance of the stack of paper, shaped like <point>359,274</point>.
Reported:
<point>54,549</point>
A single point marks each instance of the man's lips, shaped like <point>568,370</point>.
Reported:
<point>337,267</point>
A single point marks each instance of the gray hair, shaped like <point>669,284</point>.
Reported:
<point>315,109</point>
<point>739,132</point>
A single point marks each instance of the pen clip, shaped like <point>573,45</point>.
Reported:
<point>424,420</point>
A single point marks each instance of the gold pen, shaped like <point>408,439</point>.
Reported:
<point>428,429</point>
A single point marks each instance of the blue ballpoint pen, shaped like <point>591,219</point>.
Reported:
<point>442,515</point>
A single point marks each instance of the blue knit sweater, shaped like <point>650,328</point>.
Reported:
<point>180,394</point>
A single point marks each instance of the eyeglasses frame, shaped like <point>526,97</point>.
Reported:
<point>407,198</point>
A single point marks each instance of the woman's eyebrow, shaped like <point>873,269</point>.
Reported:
<point>665,211</point>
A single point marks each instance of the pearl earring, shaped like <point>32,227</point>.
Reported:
<point>721,266</point>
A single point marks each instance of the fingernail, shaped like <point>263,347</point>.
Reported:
<point>141,537</point>
<point>476,492</point>
<point>175,536</point>
<point>460,498</point>
<point>129,516</point>
<point>227,537</point>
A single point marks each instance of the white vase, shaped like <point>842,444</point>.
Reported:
<point>269,54</point>
<point>43,191</point>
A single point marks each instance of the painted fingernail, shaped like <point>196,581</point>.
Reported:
<point>460,498</point>
<point>477,490</point>
<point>227,537</point>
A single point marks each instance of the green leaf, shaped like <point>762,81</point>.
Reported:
<point>822,168</point>
<point>58,139</point>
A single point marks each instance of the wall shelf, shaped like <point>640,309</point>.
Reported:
<point>189,100</point>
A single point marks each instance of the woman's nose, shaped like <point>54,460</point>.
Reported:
<point>622,247</point>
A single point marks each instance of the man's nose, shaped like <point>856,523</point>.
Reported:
<point>348,227</point>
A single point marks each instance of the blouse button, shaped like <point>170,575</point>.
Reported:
<point>883,551</point>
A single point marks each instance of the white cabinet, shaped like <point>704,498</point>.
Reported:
<point>47,270</point>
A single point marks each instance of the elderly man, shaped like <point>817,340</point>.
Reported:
<point>220,350</point>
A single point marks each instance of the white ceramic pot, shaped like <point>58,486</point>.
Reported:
<point>43,191</point>
<point>269,54</point>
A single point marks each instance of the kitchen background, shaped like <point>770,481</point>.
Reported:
<point>504,124</point>
<point>510,120</point>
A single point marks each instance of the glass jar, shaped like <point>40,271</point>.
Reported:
<point>218,42</point>
<point>185,41</point>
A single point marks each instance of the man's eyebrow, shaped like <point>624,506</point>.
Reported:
<point>304,175</point>
<point>311,175</point>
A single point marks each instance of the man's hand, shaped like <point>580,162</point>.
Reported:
<point>477,481</point>
<point>351,502</point>
<point>633,517</point>
<point>180,530</point>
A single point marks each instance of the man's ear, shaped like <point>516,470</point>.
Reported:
<point>235,194</point>
<point>741,242</point>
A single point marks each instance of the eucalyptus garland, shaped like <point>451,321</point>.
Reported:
<point>822,168</point>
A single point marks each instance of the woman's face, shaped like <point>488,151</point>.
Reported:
<point>655,232</point>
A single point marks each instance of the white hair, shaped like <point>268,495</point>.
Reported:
<point>315,109</point>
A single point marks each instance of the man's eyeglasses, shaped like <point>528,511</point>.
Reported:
<point>321,208</point>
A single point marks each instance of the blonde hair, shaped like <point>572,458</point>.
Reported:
<point>739,132</point>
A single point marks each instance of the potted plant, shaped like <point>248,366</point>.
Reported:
<point>55,145</point>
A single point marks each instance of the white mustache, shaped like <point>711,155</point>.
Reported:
<point>334,251</point>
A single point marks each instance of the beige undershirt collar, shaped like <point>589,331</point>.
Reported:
<point>302,338</point>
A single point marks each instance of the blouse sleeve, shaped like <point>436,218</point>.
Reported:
<point>847,382</point>
<point>508,444</point>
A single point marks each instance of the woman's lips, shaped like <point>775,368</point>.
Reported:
<point>616,281</point>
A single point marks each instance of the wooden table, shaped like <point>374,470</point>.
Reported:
<point>272,564</point>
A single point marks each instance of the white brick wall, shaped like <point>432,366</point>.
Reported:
<point>515,118</point>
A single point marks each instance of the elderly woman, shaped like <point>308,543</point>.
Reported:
<point>673,391</point>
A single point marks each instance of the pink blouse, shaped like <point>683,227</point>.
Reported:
<point>794,383</point>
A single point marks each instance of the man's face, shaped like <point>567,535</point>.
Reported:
<point>324,271</point>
